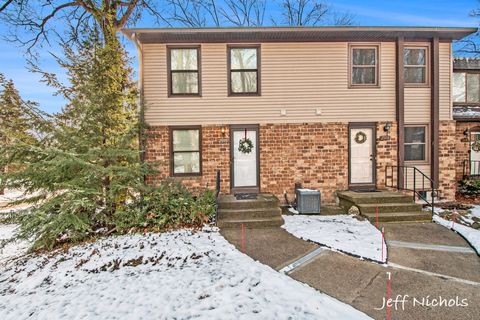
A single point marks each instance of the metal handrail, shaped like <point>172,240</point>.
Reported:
<point>217,192</point>
<point>404,170</point>
<point>467,168</point>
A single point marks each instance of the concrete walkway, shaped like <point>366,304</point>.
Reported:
<point>420,273</point>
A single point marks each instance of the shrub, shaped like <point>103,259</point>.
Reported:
<point>469,187</point>
<point>169,205</point>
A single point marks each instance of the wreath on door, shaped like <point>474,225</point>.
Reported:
<point>360,137</point>
<point>245,145</point>
<point>476,146</point>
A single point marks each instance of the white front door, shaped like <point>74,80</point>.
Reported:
<point>474,155</point>
<point>245,165</point>
<point>362,155</point>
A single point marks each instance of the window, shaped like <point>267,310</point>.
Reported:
<point>459,88</point>
<point>466,87</point>
<point>183,67</point>
<point>415,65</point>
<point>186,155</point>
<point>415,145</point>
<point>364,65</point>
<point>243,70</point>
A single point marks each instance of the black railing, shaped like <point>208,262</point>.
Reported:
<point>217,192</point>
<point>471,169</point>
<point>411,179</point>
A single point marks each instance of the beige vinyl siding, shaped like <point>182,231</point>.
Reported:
<point>417,98</point>
<point>425,168</point>
<point>417,105</point>
<point>445,75</point>
<point>297,77</point>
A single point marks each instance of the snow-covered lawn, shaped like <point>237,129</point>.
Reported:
<point>10,195</point>
<point>475,211</point>
<point>470,234</point>
<point>341,232</point>
<point>176,275</point>
<point>13,249</point>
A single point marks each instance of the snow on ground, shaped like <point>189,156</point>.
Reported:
<point>470,234</point>
<point>176,275</point>
<point>13,249</point>
<point>11,195</point>
<point>475,211</point>
<point>341,232</point>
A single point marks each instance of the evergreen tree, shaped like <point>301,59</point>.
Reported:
<point>87,168</point>
<point>17,119</point>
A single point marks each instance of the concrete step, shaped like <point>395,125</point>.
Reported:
<point>423,216</point>
<point>236,214</point>
<point>262,201</point>
<point>250,223</point>
<point>390,207</point>
<point>374,197</point>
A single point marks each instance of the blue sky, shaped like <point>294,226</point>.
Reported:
<point>446,13</point>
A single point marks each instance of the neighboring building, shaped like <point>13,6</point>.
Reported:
<point>328,107</point>
<point>466,111</point>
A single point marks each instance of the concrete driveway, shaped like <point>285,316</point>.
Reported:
<point>428,265</point>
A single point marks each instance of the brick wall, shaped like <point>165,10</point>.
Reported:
<point>462,146</point>
<point>314,154</point>
<point>386,151</point>
<point>447,160</point>
<point>215,156</point>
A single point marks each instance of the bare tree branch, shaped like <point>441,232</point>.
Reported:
<point>32,23</point>
<point>189,13</point>
<point>5,5</point>
<point>244,13</point>
<point>303,12</point>
<point>343,19</point>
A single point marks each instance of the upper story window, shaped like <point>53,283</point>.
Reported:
<point>183,69</point>
<point>466,87</point>
<point>415,65</point>
<point>415,144</point>
<point>364,66</point>
<point>243,70</point>
<point>186,151</point>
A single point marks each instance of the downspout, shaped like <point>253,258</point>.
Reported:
<point>435,111</point>
<point>400,111</point>
<point>141,112</point>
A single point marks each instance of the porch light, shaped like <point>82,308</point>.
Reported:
<point>465,132</point>
<point>223,130</point>
<point>387,126</point>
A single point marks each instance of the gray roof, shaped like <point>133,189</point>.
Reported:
<point>466,64</point>
<point>294,34</point>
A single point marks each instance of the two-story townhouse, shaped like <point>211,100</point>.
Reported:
<point>328,107</point>
<point>466,113</point>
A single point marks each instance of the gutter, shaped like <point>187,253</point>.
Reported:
<point>134,38</point>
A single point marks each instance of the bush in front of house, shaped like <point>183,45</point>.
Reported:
<point>167,206</point>
<point>470,187</point>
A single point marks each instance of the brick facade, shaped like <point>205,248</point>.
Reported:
<point>386,150</point>
<point>462,145</point>
<point>447,150</point>
<point>215,156</point>
<point>314,154</point>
